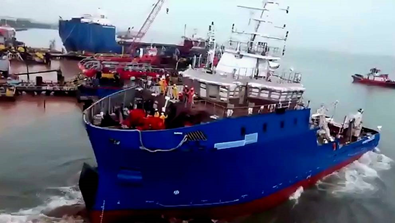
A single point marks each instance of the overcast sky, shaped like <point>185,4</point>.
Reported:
<point>355,26</point>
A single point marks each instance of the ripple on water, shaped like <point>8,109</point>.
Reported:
<point>65,206</point>
<point>361,177</point>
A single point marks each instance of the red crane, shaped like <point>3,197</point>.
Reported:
<point>146,25</point>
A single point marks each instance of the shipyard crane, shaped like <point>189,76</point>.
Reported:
<point>146,25</point>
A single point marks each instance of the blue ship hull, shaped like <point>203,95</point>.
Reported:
<point>89,37</point>
<point>246,165</point>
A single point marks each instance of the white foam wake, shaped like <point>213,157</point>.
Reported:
<point>68,196</point>
<point>360,177</point>
<point>296,195</point>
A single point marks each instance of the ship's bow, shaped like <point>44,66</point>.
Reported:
<point>88,184</point>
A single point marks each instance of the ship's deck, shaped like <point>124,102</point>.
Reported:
<point>177,112</point>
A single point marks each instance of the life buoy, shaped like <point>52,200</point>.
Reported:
<point>334,146</point>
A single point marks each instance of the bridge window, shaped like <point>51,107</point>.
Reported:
<point>264,128</point>
<point>282,124</point>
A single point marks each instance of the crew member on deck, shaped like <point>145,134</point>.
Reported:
<point>174,92</point>
<point>357,128</point>
<point>185,94</point>
<point>47,58</point>
<point>191,94</point>
<point>250,111</point>
<point>162,84</point>
<point>229,112</point>
<point>167,79</point>
<point>21,49</point>
<point>156,115</point>
<point>163,117</point>
<point>149,83</point>
<point>165,86</point>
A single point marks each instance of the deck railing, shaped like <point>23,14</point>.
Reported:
<point>122,98</point>
<point>261,49</point>
<point>126,98</point>
<point>250,72</point>
<point>217,110</point>
<point>221,111</point>
<point>48,85</point>
<point>110,104</point>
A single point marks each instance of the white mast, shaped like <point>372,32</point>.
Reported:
<point>254,57</point>
<point>260,20</point>
<point>185,31</point>
<point>262,13</point>
<point>212,46</point>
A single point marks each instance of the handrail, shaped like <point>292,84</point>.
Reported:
<point>250,72</point>
<point>125,98</point>
<point>250,110</point>
<point>260,49</point>
<point>108,103</point>
<point>142,147</point>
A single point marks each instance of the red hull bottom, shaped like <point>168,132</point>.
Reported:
<point>223,212</point>
<point>374,82</point>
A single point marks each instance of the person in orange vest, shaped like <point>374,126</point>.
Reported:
<point>163,117</point>
<point>165,87</point>
<point>156,115</point>
<point>162,85</point>
<point>175,92</point>
<point>191,94</point>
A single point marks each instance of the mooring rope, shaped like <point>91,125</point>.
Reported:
<point>142,147</point>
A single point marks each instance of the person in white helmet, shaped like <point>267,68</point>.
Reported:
<point>357,128</point>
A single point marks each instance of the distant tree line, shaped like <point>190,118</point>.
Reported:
<point>26,24</point>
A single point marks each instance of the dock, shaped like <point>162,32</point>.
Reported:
<point>70,56</point>
<point>48,89</point>
<point>37,72</point>
<point>40,87</point>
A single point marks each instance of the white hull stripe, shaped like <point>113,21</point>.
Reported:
<point>248,139</point>
<point>371,138</point>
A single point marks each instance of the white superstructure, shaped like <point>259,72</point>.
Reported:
<point>100,17</point>
<point>249,63</point>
